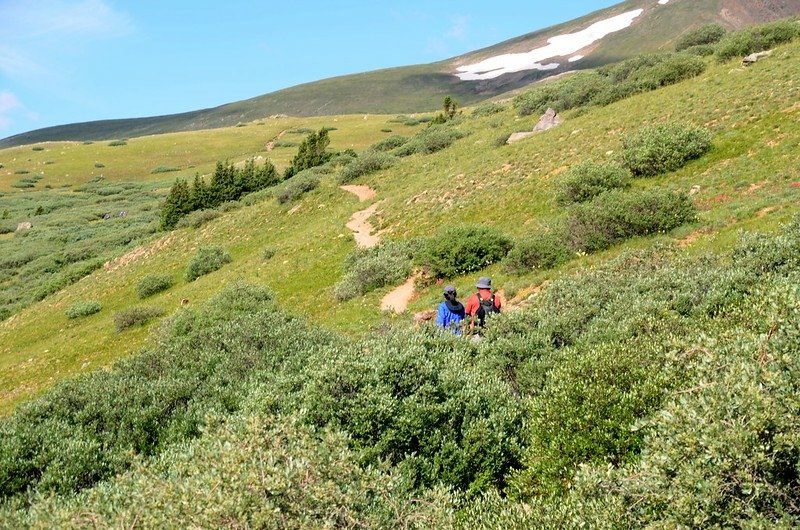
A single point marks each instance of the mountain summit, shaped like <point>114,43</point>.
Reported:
<point>618,32</point>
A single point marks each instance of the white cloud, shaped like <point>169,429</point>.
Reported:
<point>8,103</point>
<point>37,33</point>
<point>458,30</point>
<point>60,18</point>
<point>558,46</point>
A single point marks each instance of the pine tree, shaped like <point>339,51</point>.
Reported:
<point>223,183</point>
<point>178,204</point>
<point>201,194</point>
<point>311,153</point>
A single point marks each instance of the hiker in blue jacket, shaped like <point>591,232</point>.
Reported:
<point>450,312</point>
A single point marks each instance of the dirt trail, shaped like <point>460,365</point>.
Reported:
<point>359,222</point>
<point>398,299</point>
<point>364,193</point>
<point>362,229</point>
<point>271,143</point>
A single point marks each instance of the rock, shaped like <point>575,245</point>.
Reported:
<point>695,189</point>
<point>424,316</point>
<point>517,136</point>
<point>25,225</point>
<point>548,120</point>
<point>755,57</point>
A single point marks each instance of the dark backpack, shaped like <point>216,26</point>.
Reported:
<point>485,307</point>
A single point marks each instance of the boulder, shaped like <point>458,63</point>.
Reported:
<point>755,57</point>
<point>25,225</point>
<point>548,120</point>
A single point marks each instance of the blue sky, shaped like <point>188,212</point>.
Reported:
<point>65,61</point>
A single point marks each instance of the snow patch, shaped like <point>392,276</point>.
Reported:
<point>663,2</point>
<point>558,46</point>
<point>575,58</point>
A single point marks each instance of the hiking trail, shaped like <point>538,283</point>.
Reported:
<point>359,222</point>
<point>396,300</point>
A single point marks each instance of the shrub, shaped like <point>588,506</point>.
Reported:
<point>616,215</point>
<point>207,260</point>
<point>368,162</point>
<point>587,180</point>
<point>117,143</point>
<point>268,253</point>
<point>434,138</point>
<point>197,218</point>
<point>164,169</point>
<point>135,316</point>
<point>573,91</point>
<point>296,186</point>
<point>461,249</point>
<point>368,269</point>
<point>99,165</point>
<point>83,309</point>
<point>37,148</point>
<point>387,144</point>
<point>386,130</point>
<point>487,109</point>
<point>285,143</point>
<point>152,284</point>
<point>757,38</point>
<point>663,148</point>
<point>704,35</point>
<point>543,250</point>
<point>21,172</point>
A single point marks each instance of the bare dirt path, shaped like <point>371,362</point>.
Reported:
<point>364,193</point>
<point>362,229</point>
<point>271,143</point>
<point>398,299</point>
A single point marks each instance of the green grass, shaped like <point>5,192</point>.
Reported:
<point>748,180</point>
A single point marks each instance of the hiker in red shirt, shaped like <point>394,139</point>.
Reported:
<point>483,302</point>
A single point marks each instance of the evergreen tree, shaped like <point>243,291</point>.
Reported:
<point>265,176</point>
<point>223,183</point>
<point>201,194</point>
<point>245,178</point>
<point>311,153</point>
<point>178,204</point>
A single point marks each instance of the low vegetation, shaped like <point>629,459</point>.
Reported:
<point>587,180</point>
<point>457,250</point>
<point>153,284</point>
<point>365,270</point>
<point>134,316</point>
<point>663,148</point>
<point>207,260</point>
<point>83,309</point>
<point>758,38</point>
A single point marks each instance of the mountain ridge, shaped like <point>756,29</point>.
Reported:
<point>419,88</point>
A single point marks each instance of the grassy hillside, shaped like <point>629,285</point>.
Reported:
<point>651,383</point>
<point>419,88</point>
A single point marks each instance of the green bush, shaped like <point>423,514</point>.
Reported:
<point>434,138</point>
<point>368,162</point>
<point>135,316</point>
<point>83,309</point>
<point>152,284</point>
<point>297,186</point>
<point>365,270</point>
<point>207,260</point>
<point>610,83</point>
<point>587,180</point>
<point>117,143</point>
<point>704,35</point>
<point>164,169</point>
<point>487,109</point>
<point>543,250</point>
<point>387,144</point>
<point>663,148</point>
<point>757,38</point>
<point>616,215</point>
<point>197,218</point>
<point>461,249</point>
